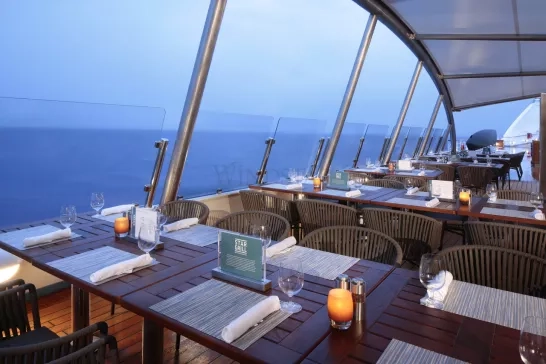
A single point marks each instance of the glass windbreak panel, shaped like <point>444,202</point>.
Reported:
<point>296,145</point>
<point>400,142</point>
<point>54,153</point>
<point>432,142</point>
<point>348,144</point>
<point>225,153</point>
<point>411,143</point>
<point>374,138</point>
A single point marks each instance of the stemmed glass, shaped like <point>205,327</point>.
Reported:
<point>68,215</point>
<point>536,199</point>
<point>430,277</point>
<point>97,201</point>
<point>377,163</point>
<point>292,174</point>
<point>491,191</point>
<point>436,191</point>
<point>262,232</point>
<point>147,237</point>
<point>357,183</point>
<point>291,282</point>
<point>488,160</point>
<point>161,218</point>
<point>408,183</point>
<point>300,175</point>
<point>368,162</point>
<point>532,340</point>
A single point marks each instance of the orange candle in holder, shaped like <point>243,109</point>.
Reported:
<point>464,197</point>
<point>340,308</point>
<point>121,226</point>
<point>316,182</point>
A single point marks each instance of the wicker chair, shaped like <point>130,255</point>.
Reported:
<point>355,242</point>
<point>21,344</point>
<point>183,209</point>
<point>417,234</point>
<point>386,183</point>
<point>416,181</point>
<point>449,172</point>
<point>260,201</point>
<point>524,239</point>
<point>515,163</point>
<point>476,178</point>
<point>353,175</point>
<point>495,267</point>
<point>241,221</point>
<point>514,195</point>
<point>318,214</point>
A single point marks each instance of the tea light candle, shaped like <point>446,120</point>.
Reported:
<point>121,226</point>
<point>340,308</point>
<point>316,182</point>
<point>464,197</point>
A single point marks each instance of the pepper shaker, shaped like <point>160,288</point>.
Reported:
<point>358,290</point>
<point>342,281</point>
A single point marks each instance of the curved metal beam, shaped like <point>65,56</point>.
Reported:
<point>494,102</point>
<point>404,33</point>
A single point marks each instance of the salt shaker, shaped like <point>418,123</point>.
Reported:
<point>358,289</point>
<point>342,281</point>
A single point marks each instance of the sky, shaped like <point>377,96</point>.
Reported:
<point>274,58</point>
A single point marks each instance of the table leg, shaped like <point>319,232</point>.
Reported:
<point>152,342</point>
<point>80,308</point>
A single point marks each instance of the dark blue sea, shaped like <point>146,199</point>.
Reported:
<point>44,168</point>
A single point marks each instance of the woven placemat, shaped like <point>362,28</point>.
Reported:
<point>15,238</point>
<point>200,235</point>
<point>402,352</point>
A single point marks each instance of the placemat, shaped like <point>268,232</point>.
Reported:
<point>492,305</point>
<point>507,212</point>
<point>200,235</point>
<point>315,262</point>
<point>501,201</point>
<point>402,352</point>
<point>409,201</point>
<point>280,186</point>
<point>109,218</point>
<point>212,305</point>
<point>369,188</point>
<point>83,265</point>
<point>419,194</point>
<point>15,238</point>
<point>338,193</point>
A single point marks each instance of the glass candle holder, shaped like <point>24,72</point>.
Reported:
<point>464,197</point>
<point>316,182</point>
<point>121,227</point>
<point>340,308</point>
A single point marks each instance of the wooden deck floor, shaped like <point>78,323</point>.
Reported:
<point>126,326</point>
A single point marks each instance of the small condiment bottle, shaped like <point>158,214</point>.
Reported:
<point>342,281</point>
<point>358,290</point>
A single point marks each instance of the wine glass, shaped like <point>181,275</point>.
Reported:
<point>291,282</point>
<point>532,340</point>
<point>161,217</point>
<point>491,191</point>
<point>377,163</point>
<point>262,232</point>
<point>292,174</point>
<point>147,237</point>
<point>436,190</point>
<point>536,199</point>
<point>357,183</point>
<point>422,167</point>
<point>488,160</point>
<point>97,201</point>
<point>408,183</point>
<point>300,175</point>
<point>368,162</point>
<point>430,277</point>
<point>68,216</point>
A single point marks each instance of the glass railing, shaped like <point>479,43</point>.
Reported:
<point>433,140</point>
<point>412,141</point>
<point>55,152</point>
<point>374,139</point>
<point>225,152</point>
<point>348,145</point>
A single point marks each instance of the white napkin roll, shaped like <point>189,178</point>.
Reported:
<point>432,203</point>
<point>294,186</point>
<point>181,224</point>
<point>538,215</point>
<point>422,173</point>
<point>436,290</point>
<point>116,209</point>
<point>413,190</point>
<point>280,246</point>
<point>353,193</point>
<point>251,317</point>
<point>47,238</point>
<point>449,162</point>
<point>124,267</point>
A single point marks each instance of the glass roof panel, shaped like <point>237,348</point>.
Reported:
<point>533,85</point>
<point>457,16</point>
<point>474,56</point>
<point>469,91</point>
<point>533,56</point>
<point>531,16</point>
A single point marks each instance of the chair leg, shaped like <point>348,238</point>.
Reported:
<point>177,345</point>
<point>113,309</point>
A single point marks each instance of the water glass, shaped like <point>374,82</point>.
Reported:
<point>368,162</point>
<point>377,163</point>
<point>263,233</point>
<point>429,276</point>
<point>491,191</point>
<point>292,174</point>
<point>68,216</point>
<point>291,282</point>
<point>148,236</point>
<point>357,183</point>
<point>97,201</point>
<point>436,190</point>
<point>532,340</point>
<point>161,217</point>
<point>536,199</point>
<point>408,183</point>
<point>300,175</point>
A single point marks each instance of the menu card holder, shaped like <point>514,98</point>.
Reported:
<point>339,180</point>
<point>241,260</point>
<point>404,165</point>
<point>447,191</point>
<point>139,216</point>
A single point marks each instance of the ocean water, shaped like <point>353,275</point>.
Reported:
<point>44,168</point>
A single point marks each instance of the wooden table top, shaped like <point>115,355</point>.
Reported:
<point>457,164</point>
<point>479,203</point>
<point>430,174</point>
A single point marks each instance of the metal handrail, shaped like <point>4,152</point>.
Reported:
<point>262,171</point>
<point>313,167</point>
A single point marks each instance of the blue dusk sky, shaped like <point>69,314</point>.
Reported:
<point>274,58</point>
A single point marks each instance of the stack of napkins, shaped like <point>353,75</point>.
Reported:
<point>116,209</point>
<point>181,224</point>
<point>120,268</point>
<point>432,203</point>
<point>280,246</point>
<point>47,238</point>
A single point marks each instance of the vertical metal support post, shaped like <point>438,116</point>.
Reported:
<point>403,112</point>
<point>446,137</point>
<point>430,125</point>
<point>262,171</point>
<point>349,92</point>
<point>403,146</point>
<point>80,308</point>
<point>357,156</point>
<point>384,148</point>
<point>542,141</point>
<point>418,147</point>
<point>150,188</point>
<point>152,342</point>
<point>453,134</point>
<point>193,98</point>
<point>313,168</point>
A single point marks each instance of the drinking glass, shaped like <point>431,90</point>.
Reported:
<point>68,216</point>
<point>262,232</point>
<point>161,217</point>
<point>368,162</point>
<point>536,200</point>
<point>377,163</point>
<point>436,190</point>
<point>291,282</point>
<point>357,183</point>
<point>408,183</point>
<point>491,191</point>
<point>147,237</point>
<point>97,201</point>
<point>532,340</point>
<point>429,276</point>
<point>300,175</point>
<point>488,160</point>
<point>422,167</point>
<point>292,174</point>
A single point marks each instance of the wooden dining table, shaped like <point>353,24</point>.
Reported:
<point>384,172</point>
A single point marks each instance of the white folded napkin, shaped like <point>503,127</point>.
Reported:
<point>116,209</point>
<point>124,267</point>
<point>294,186</point>
<point>436,290</point>
<point>280,246</point>
<point>422,173</point>
<point>449,162</point>
<point>413,190</point>
<point>371,165</point>
<point>538,215</point>
<point>432,202</point>
<point>475,161</point>
<point>251,317</point>
<point>353,193</point>
<point>47,238</point>
<point>181,224</point>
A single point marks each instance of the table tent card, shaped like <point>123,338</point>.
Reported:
<point>445,187</point>
<point>144,216</point>
<point>404,165</point>
<point>339,180</point>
